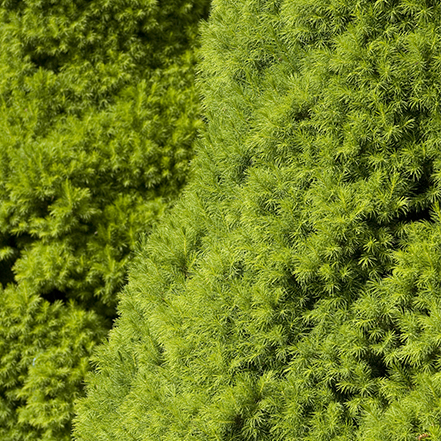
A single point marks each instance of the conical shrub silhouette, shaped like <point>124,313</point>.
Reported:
<point>293,292</point>
<point>98,114</point>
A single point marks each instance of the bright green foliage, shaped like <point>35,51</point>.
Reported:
<point>98,114</point>
<point>294,292</point>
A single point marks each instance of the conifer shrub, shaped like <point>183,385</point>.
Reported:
<point>98,114</point>
<point>45,349</point>
<point>293,293</point>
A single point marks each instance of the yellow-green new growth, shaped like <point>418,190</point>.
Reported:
<point>293,292</point>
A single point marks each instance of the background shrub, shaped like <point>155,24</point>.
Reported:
<point>98,114</point>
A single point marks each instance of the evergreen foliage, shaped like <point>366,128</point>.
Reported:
<point>293,293</point>
<point>45,350</point>
<point>98,113</point>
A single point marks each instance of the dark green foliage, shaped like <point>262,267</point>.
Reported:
<point>293,293</point>
<point>98,114</point>
<point>45,350</point>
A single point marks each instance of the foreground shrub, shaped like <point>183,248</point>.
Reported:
<point>293,293</point>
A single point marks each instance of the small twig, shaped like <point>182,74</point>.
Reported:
<point>423,435</point>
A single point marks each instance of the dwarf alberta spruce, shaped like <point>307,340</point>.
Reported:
<point>45,351</point>
<point>98,114</point>
<point>293,293</point>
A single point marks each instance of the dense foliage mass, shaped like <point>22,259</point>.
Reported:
<point>98,113</point>
<point>294,292</point>
<point>45,350</point>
